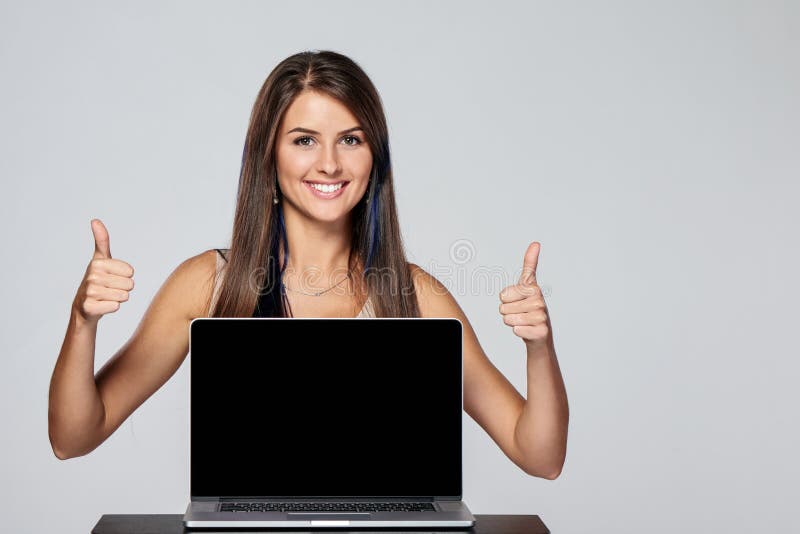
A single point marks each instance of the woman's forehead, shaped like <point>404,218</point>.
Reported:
<point>319,112</point>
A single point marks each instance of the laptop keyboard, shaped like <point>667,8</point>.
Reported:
<point>327,507</point>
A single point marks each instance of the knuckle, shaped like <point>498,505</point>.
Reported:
<point>541,330</point>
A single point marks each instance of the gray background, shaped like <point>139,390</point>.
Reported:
<point>651,147</point>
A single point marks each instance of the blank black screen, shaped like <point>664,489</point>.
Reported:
<point>302,407</point>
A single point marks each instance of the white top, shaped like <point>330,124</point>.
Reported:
<point>366,311</point>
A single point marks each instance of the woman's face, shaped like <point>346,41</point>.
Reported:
<point>321,142</point>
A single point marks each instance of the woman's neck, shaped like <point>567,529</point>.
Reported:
<point>317,250</point>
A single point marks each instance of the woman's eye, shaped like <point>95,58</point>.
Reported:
<point>350,140</point>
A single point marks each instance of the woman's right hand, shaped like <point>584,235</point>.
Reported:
<point>107,281</point>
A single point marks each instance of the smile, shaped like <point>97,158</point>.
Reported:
<point>326,191</point>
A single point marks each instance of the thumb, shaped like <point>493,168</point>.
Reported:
<point>102,248</point>
<point>529,264</point>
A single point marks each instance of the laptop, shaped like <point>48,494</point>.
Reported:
<point>326,423</point>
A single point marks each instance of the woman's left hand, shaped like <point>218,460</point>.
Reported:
<point>523,307</point>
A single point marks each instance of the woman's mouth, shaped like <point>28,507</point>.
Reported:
<point>326,191</point>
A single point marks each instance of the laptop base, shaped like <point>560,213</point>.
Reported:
<point>198,516</point>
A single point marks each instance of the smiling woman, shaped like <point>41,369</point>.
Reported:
<point>315,234</point>
<point>329,166</point>
<point>316,200</point>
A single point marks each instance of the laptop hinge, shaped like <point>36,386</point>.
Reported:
<point>301,499</point>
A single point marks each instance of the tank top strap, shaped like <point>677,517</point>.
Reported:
<point>221,261</point>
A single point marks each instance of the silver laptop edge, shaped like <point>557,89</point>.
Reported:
<point>203,512</point>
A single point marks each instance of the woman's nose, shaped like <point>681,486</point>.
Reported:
<point>328,161</point>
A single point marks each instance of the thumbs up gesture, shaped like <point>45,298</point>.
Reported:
<point>522,305</point>
<point>106,283</point>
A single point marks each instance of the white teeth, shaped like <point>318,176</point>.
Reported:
<point>327,188</point>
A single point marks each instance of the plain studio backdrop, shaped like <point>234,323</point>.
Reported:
<point>652,148</point>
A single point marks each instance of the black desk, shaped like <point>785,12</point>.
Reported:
<point>165,524</point>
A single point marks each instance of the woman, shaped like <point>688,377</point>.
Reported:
<point>315,234</point>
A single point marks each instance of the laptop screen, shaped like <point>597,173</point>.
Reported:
<point>300,407</point>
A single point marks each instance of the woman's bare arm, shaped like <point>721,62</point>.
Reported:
<point>493,402</point>
<point>85,409</point>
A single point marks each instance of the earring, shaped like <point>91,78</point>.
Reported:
<point>274,196</point>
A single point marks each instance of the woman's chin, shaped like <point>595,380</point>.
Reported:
<point>320,210</point>
<point>328,215</point>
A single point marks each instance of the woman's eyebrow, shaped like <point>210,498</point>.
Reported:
<point>306,130</point>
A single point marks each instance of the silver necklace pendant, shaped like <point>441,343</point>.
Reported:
<point>319,292</point>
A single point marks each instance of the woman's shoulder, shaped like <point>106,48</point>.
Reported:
<point>199,265</point>
<point>204,262</point>
<point>196,276</point>
<point>435,300</point>
<point>432,295</point>
<point>423,279</point>
<point>223,253</point>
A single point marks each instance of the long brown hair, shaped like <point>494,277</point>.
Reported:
<point>251,285</point>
